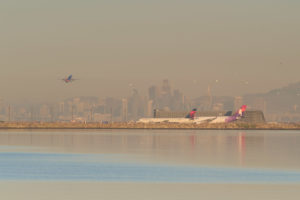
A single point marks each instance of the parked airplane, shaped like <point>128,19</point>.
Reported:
<point>226,119</point>
<point>68,79</point>
<point>190,118</point>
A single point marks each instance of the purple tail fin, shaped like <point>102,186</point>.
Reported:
<point>237,115</point>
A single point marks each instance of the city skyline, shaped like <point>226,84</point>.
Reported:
<point>280,104</point>
<point>209,90</point>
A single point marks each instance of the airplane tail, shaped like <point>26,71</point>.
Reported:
<point>191,115</point>
<point>239,113</point>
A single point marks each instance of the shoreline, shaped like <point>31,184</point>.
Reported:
<point>129,125</point>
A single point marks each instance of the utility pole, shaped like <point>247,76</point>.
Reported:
<point>9,114</point>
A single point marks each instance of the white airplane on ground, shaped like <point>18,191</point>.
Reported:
<point>190,118</point>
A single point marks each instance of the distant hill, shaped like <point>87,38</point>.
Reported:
<point>282,104</point>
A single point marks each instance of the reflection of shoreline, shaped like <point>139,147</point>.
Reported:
<point>186,146</point>
<point>121,125</point>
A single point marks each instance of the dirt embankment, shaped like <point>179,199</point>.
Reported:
<point>120,125</point>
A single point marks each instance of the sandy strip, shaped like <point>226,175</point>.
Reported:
<point>144,191</point>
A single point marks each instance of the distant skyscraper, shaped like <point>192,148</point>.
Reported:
<point>153,93</point>
<point>166,88</point>
<point>124,110</point>
<point>166,95</point>
<point>150,108</point>
<point>177,100</point>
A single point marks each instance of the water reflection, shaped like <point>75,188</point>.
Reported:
<point>271,149</point>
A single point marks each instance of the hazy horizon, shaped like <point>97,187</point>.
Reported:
<point>111,46</point>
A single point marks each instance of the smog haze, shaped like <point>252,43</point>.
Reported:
<point>235,47</point>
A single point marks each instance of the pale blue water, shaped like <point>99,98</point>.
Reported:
<point>151,156</point>
<point>85,167</point>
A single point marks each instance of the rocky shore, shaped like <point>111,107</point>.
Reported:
<point>121,125</point>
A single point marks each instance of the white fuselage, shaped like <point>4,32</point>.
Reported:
<point>197,120</point>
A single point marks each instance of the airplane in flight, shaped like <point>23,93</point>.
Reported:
<point>69,79</point>
<point>190,118</point>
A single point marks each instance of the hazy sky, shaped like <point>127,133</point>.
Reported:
<point>108,44</point>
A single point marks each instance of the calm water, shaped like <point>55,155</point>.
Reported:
<point>151,156</point>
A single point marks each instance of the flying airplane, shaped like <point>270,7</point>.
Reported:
<point>69,79</point>
<point>190,118</point>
